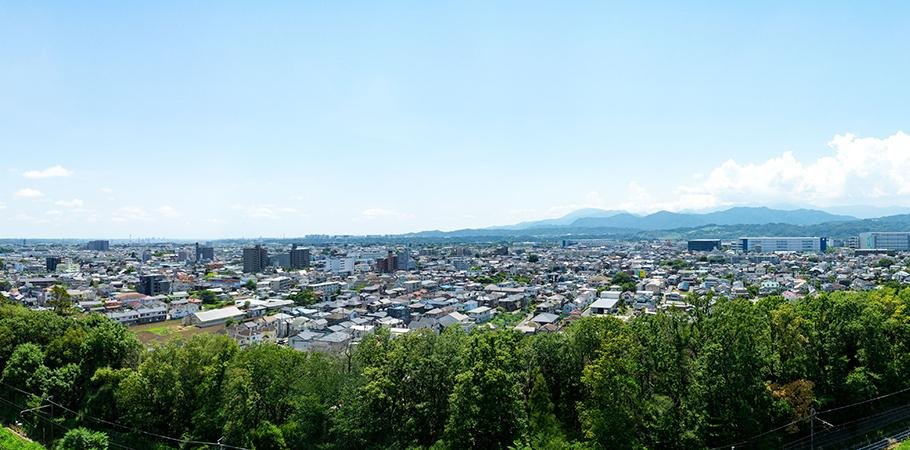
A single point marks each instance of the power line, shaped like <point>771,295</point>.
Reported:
<point>746,441</point>
<point>811,417</point>
<point>864,401</point>
<point>50,420</point>
<point>133,429</point>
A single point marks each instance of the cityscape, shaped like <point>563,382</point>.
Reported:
<point>454,225</point>
<point>329,296</point>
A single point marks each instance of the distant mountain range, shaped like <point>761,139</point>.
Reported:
<point>727,224</point>
<point>665,220</point>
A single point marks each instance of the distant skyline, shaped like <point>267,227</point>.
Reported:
<point>222,119</point>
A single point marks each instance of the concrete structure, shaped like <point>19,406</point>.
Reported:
<point>703,245</point>
<point>300,258</point>
<point>402,260</point>
<point>153,285</point>
<point>604,306</point>
<point>214,317</point>
<point>98,246</point>
<point>783,244</point>
<point>255,259</point>
<point>339,265</point>
<point>51,262</point>
<point>204,253</point>
<point>899,241</point>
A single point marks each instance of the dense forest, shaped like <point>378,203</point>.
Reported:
<point>724,373</point>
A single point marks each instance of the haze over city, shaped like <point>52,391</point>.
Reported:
<point>221,120</point>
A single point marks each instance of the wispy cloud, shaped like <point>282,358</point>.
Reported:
<point>130,213</point>
<point>266,211</point>
<point>50,172</point>
<point>138,214</point>
<point>167,211</point>
<point>382,213</point>
<point>74,203</point>
<point>29,193</point>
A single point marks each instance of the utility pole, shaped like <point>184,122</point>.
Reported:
<point>51,442</point>
<point>35,410</point>
<point>812,428</point>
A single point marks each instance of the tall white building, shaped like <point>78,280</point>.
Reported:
<point>339,265</point>
<point>880,240</point>
<point>783,244</point>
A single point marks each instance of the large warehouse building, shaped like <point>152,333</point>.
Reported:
<point>784,244</point>
<point>899,241</point>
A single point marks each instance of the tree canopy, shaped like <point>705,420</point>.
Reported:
<point>727,371</point>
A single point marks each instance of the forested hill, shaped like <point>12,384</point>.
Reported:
<point>672,230</point>
<point>719,376</point>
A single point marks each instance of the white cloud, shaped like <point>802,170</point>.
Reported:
<point>859,170</point>
<point>74,203</point>
<point>50,172</point>
<point>29,193</point>
<point>381,213</point>
<point>2,206</point>
<point>106,190</point>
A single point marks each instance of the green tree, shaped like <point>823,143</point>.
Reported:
<point>60,300</point>
<point>304,297</point>
<point>26,369</point>
<point>416,411</point>
<point>613,408</point>
<point>208,297</point>
<point>175,375</point>
<point>734,360</point>
<point>83,439</point>
<point>486,407</point>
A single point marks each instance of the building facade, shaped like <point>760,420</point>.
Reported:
<point>98,246</point>
<point>783,244</point>
<point>899,241</point>
<point>51,262</point>
<point>204,253</point>
<point>152,285</point>
<point>703,245</point>
<point>255,259</point>
<point>300,258</point>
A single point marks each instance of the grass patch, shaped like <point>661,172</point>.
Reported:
<point>160,332</point>
<point>508,319</point>
<point>9,440</point>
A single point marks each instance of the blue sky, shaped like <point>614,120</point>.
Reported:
<point>235,119</point>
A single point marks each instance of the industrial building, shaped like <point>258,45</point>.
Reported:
<point>895,240</point>
<point>783,244</point>
<point>704,245</point>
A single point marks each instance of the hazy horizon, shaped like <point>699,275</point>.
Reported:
<point>282,119</point>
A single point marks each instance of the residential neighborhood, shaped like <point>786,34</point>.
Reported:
<point>327,298</point>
